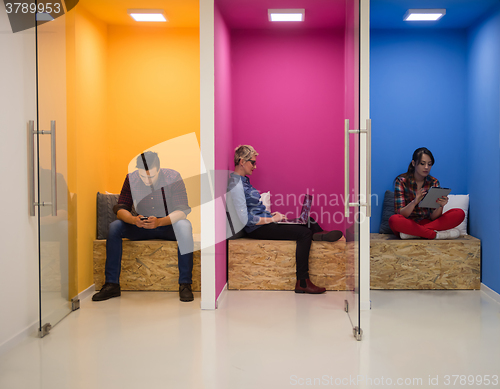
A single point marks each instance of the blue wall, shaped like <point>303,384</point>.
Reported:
<point>441,89</point>
<point>484,143</point>
<point>418,98</point>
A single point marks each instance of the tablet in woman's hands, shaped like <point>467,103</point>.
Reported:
<point>430,199</point>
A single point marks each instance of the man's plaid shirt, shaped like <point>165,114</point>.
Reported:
<point>148,201</point>
<point>405,188</point>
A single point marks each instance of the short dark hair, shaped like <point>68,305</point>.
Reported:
<point>147,161</point>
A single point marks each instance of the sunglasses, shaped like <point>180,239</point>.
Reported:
<point>252,162</point>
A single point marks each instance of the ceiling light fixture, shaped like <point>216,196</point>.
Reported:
<point>416,15</point>
<point>147,15</point>
<point>286,15</point>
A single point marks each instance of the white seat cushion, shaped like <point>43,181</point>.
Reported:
<point>462,202</point>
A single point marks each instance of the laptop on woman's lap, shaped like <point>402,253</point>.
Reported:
<point>304,213</point>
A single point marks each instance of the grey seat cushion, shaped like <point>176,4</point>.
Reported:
<point>230,227</point>
<point>238,235</point>
<point>387,212</point>
<point>105,213</point>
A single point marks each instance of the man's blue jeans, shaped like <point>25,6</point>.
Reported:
<point>180,231</point>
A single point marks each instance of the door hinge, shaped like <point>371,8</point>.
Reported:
<point>75,304</point>
<point>44,330</point>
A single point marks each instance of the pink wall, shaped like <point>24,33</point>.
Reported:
<point>288,102</point>
<point>223,139</point>
<point>283,92</point>
<point>351,103</point>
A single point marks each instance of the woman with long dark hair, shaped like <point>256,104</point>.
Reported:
<point>411,221</point>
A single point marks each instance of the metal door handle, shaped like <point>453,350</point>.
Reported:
<point>346,168</point>
<point>368,167</point>
<point>367,132</point>
<point>53,167</point>
<point>31,167</point>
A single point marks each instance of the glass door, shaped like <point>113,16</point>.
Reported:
<point>352,198</point>
<point>52,168</point>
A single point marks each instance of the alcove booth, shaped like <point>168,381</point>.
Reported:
<point>286,89</point>
<point>437,85</point>
<point>113,88</point>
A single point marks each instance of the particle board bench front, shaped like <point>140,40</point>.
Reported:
<point>424,264</point>
<point>146,265</point>
<point>270,264</point>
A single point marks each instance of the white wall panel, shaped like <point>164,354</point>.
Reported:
<point>18,231</point>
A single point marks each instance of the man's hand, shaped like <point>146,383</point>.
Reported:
<point>138,222</point>
<point>151,223</point>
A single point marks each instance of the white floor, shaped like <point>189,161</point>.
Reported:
<point>265,340</point>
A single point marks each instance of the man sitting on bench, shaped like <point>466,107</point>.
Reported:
<point>160,199</point>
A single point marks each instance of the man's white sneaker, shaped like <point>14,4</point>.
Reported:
<point>454,233</point>
<point>406,236</point>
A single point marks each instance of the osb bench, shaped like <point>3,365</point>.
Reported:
<point>270,264</point>
<point>146,265</point>
<point>424,264</point>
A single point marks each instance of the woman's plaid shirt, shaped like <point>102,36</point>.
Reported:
<point>405,188</point>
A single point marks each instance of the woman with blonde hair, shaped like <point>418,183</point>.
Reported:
<point>260,224</point>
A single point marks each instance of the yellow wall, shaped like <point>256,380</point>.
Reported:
<point>154,96</point>
<point>87,99</point>
<point>129,88</point>
<point>71,149</point>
